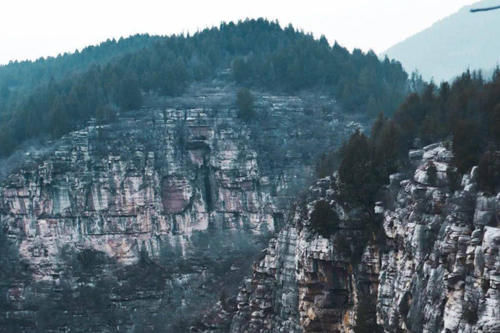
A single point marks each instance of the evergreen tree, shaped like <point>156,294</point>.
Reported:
<point>467,144</point>
<point>327,164</point>
<point>489,172</point>
<point>260,53</point>
<point>358,182</point>
<point>60,122</point>
<point>105,114</point>
<point>432,174</point>
<point>129,95</point>
<point>241,70</point>
<point>245,104</point>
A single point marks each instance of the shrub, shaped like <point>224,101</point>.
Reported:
<point>432,174</point>
<point>470,314</point>
<point>324,219</point>
<point>342,245</point>
<point>88,260</point>
<point>366,316</point>
<point>453,178</point>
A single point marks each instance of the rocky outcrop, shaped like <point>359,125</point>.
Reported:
<point>154,212</point>
<point>440,271</point>
<point>269,299</point>
<point>310,283</point>
<point>427,262</point>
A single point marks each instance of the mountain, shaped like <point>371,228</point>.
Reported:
<point>153,196</point>
<point>255,53</point>
<point>417,252</point>
<point>171,168</point>
<point>461,41</point>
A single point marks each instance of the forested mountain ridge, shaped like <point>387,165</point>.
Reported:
<point>20,77</point>
<point>259,52</point>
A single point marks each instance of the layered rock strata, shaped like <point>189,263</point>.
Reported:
<point>153,212</point>
<point>429,263</point>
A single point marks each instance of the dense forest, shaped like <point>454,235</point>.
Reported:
<point>55,96</point>
<point>465,113</point>
<point>18,78</point>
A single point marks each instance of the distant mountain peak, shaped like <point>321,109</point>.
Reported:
<point>461,41</point>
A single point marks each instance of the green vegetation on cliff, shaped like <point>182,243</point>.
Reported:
<point>466,111</point>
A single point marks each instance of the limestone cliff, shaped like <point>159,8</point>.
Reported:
<point>427,262</point>
<point>140,224</point>
<point>441,269</point>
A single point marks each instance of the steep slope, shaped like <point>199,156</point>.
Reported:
<point>436,268</point>
<point>141,224</point>
<point>450,46</point>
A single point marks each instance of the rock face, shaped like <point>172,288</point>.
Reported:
<point>307,282</point>
<point>149,224</point>
<point>441,269</point>
<point>154,212</point>
<point>427,262</point>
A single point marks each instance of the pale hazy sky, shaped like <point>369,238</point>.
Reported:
<point>33,28</point>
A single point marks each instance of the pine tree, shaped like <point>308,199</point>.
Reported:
<point>245,104</point>
<point>129,95</point>
<point>59,119</point>
<point>489,172</point>
<point>358,184</point>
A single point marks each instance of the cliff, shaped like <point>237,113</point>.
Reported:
<point>428,261</point>
<point>140,224</point>
<point>151,224</point>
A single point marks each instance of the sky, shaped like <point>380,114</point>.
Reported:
<point>30,29</point>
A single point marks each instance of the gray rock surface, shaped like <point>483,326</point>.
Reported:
<point>437,270</point>
<point>157,216</point>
